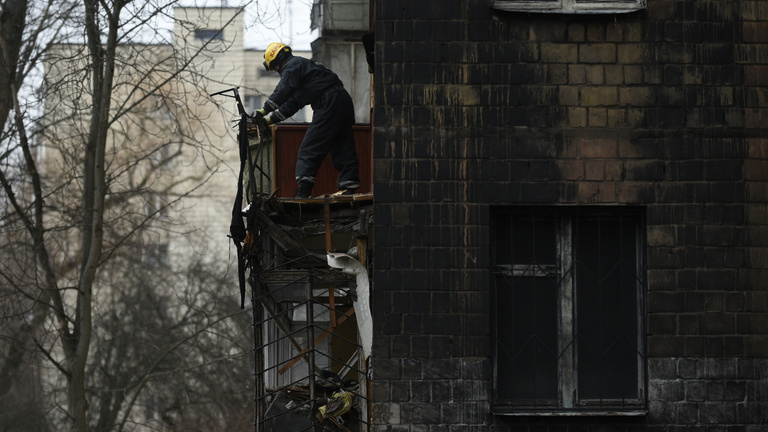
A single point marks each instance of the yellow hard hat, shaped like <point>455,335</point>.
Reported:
<point>275,54</point>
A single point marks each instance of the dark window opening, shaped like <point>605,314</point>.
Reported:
<point>569,309</point>
<point>208,34</point>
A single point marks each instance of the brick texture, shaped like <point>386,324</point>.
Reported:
<point>478,109</point>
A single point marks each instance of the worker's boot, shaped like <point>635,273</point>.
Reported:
<point>348,187</point>
<point>304,190</point>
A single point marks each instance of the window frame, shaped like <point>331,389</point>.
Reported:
<point>567,367</point>
<point>569,6</point>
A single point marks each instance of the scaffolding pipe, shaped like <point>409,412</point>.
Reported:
<point>310,339</point>
<point>258,335</point>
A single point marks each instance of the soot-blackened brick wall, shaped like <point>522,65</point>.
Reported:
<point>665,108</point>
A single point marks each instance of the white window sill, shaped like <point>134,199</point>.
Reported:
<point>568,8</point>
<point>507,412</point>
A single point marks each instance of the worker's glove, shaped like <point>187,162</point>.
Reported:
<point>264,122</point>
<point>259,113</point>
<point>254,121</point>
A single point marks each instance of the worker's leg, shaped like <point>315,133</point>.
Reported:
<point>330,131</point>
<point>316,144</point>
<point>343,154</point>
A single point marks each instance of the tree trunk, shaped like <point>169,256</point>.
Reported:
<point>95,189</point>
<point>12,19</point>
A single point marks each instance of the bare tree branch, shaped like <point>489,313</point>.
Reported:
<point>93,190</point>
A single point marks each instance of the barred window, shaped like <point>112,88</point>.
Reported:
<point>569,311</point>
<point>570,6</point>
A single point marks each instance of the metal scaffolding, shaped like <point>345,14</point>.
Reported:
<point>310,368</point>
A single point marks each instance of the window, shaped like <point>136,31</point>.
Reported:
<point>156,206</point>
<point>279,350</point>
<point>208,34</point>
<point>569,311</point>
<point>156,256</point>
<point>570,6</point>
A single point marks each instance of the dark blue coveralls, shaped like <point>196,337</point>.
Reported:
<point>304,82</point>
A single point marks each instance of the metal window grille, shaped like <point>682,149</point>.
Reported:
<point>569,320</point>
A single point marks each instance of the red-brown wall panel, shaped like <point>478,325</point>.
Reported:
<point>287,139</point>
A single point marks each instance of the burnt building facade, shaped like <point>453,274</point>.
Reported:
<point>571,215</point>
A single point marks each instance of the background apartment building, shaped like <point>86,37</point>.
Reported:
<point>182,120</point>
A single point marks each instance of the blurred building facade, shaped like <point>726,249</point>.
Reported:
<point>181,121</point>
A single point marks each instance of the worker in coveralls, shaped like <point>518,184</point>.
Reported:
<point>304,82</point>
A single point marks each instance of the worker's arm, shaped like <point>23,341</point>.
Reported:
<point>290,77</point>
<point>286,110</point>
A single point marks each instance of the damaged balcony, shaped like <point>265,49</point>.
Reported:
<point>306,264</point>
